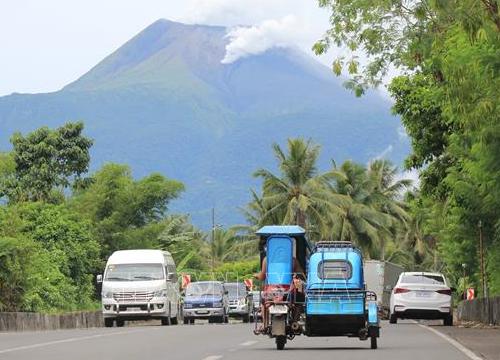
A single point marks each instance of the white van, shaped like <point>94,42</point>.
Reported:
<point>140,285</point>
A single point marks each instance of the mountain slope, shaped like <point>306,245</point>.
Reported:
<point>164,102</point>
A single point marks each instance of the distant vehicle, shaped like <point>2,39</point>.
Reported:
<point>256,304</point>
<point>421,295</point>
<point>140,285</point>
<point>240,301</point>
<point>381,277</point>
<point>206,300</point>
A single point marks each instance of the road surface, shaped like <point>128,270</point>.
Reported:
<point>406,340</point>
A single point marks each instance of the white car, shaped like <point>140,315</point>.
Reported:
<point>421,295</point>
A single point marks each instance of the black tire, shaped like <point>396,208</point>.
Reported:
<point>174,320</point>
<point>120,323</point>
<point>280,342</point>
<point>448,320</point>
<point>165,321</point>
<point>246,318</point>
<point>187,320</point>
<point>393,319</point>
<point>373,342</point>
<point>212,320</point>
<point>109,322</point>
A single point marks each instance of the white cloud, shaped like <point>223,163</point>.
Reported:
<point>245,41</point>
<point>286,23</point>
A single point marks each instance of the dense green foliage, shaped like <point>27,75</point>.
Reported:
<point>45,163</point>
<point>57,228</point>
<point>449,101</point>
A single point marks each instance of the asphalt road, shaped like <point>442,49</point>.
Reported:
<point>406,340</point>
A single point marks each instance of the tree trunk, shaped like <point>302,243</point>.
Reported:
<point>301,219</point>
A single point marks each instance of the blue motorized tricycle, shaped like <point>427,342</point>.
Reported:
<point>314,291</point>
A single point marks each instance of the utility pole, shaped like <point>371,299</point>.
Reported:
<point>464,293</point>
<point>213,238</point>
<point>481,257</point>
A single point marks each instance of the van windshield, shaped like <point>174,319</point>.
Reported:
<point>236,290</point>
<point>134,272</point>
<point>200,289</point>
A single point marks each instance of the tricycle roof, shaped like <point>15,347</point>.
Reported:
<point>291,230</point>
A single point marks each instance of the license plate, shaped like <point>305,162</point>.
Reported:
<point>423,294</point>
<point>278,309</point>
<point>133,309</point>
<point>202,312</point>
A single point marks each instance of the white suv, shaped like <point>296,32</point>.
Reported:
<point>421,295</point>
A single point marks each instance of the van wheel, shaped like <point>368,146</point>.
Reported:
<point>280,342</point>
<point>120,323</point>
<point>246,318</point>
<point>165,321</point>
<point>174,320</point>
<point>108,322</point>
<point>393,319</point>
<point>373,342</point>
<point>186,320</point>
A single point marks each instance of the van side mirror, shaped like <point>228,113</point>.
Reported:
<point>98,279</point>
<point>170,276</point>
<point>226,292</point>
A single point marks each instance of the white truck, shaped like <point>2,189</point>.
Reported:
<point>140,285</point>
<point>381,277</point>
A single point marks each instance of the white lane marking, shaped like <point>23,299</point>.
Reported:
<point>73,339</point>
<point>453,342</point>
<point>248,343</point>
<point>213,357</point>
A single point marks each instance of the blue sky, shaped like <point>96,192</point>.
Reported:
<point>45,44</point>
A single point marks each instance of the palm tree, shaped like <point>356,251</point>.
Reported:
<point>298,195</point>
<point>387,198</point>
<point>359,222</point>
<point>185,242</point>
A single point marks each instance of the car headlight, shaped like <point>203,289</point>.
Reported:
<point>188,306</point>
<point>160,293</point>
<point>107,295</point>
<point>217,304</point>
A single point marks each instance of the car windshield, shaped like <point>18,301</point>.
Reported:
<point>423,279</point>
<point>236,290</point>
<point>205,288</point>
<point>134,272</point>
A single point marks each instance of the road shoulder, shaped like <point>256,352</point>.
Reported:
<point>482,341</point>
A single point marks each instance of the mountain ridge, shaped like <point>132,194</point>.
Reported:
<point>164,102</point>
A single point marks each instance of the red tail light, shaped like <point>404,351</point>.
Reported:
<point>444,292</point>
<point>401,290</point>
